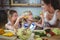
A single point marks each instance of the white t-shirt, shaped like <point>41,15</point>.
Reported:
<point>53,20</point>
<point>9,26</point>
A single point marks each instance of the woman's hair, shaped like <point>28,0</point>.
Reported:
<point>54,3</point>
<point>11,12</point>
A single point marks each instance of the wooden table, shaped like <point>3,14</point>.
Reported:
<point>52,38</point>
<point>13,38</point>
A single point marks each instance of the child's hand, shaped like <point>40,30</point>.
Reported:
<point>20,17</point>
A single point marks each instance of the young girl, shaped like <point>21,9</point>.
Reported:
<point>28,18</point>
<point>29,22</point>
<point>13,20</point>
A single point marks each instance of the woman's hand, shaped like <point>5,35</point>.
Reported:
<point>39,25</point>
<point>20,17</point>
<point>58,15</point>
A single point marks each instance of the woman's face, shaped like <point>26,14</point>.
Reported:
<point>45,6</point>
<point>14,17</point>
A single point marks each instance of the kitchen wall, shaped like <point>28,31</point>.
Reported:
<point>35,10</point>
<point>20,10</point>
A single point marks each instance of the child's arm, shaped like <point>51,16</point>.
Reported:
<point>17,21</point>
<point>39,25</point>
<point>42,18</point>
<point>15,26</point>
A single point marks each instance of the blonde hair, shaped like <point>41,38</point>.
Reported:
<point>27,13</point>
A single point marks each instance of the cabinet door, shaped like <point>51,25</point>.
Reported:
<point>0,2</point>
<point>6,2</point>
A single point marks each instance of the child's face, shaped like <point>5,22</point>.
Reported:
<point>30,17</point>
<point>14,17</point>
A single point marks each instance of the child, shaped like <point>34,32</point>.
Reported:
<point>28,18</point>
<point>29,22</point>
<point>13,20</point>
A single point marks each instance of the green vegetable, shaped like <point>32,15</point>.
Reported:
<point>48,35</point>
<point>38,39</point>
<point>40,34</point>
<point>24,34</point>
<point>56,31</point>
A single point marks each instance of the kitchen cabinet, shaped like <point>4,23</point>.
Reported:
<point>0,2</point>
<point>35,3</point>
<point>4,3</point>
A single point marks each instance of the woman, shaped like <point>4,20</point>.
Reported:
<point>52,13</point>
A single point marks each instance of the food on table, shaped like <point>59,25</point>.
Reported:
<point>2,31</point>
<point>8,34</point>
<point>40,33</point>
<point>6,31</point>
<point>24,34</point>
<point>25,17</point>
<point>37,37</point>
<point>48,35</point>
<point>49,31</point>
<point>56,31</point>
